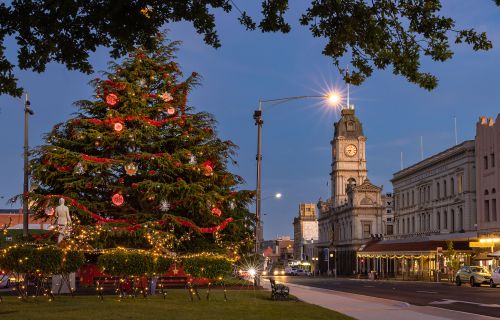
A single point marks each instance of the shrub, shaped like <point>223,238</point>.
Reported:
<point>72,260</point>
<point>206,265</point>
<point>122,263</point>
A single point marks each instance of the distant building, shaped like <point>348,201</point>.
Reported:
<point>13,219</point>
<point>437,195</point>
<point>488,176</point>
<point>305,229</point>
<point>279,251</point>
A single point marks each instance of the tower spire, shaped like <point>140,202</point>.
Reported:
<point>348,92</point>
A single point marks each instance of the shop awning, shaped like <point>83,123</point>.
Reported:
<point>495,254</point>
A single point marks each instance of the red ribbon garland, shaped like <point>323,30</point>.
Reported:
<point>134,227</point>
<point>112,121</point>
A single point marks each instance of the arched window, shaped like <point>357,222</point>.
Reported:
<point>403,202</point>
<point>445,219</point>
<point>412,224</point>
<point>438,189</point>
<point>452,186</point>
<point>460,219</point>
<point>452,224</point>
<point>412,197</point>
<point>486,192</point>
<point>438,220</point>
<point>444,189</point>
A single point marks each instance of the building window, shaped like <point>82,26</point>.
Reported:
<point>389,211</point>
<point>494,209</point>
<point>460,219</point>
<point>487,210</point>
<point>452,186</point>
<point>445,191</point>
<point>367,230</point>
<point>485,162</point>
<point>428,193</point>
<point>492,160</point>
<point>412,224</point>
<point>403,201</point>
<point>438,189</point>
<point>445,220</point>
<point>452,224</point>
<point>460,184</point>
<point>438,220</point>
<point>412,197</point>
<point>390,230</point>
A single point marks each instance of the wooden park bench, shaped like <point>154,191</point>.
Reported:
<point>279,291</point>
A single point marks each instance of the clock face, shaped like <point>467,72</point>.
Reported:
<point>351,150</point>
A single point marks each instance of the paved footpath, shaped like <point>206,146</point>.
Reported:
<point>371,308</point>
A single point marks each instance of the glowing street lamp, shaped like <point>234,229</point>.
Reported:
<point>331,98</point>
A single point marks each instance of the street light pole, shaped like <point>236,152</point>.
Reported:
<point>27,112</point>
<point>258,122</point>
<point>257,115</point>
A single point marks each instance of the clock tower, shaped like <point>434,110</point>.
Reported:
<point>348,156</point>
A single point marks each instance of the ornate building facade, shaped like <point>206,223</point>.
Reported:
<point>488,176</point>
<point>437,195</point>
<point>354,213</point>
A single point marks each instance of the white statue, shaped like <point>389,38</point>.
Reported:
<point>63,220</point>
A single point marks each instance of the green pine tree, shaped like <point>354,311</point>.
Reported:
<point>140,157</point>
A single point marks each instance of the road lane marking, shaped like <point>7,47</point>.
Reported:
<point>449,301</point>
<point>431,292</point>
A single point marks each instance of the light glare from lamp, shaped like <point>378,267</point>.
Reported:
<point>252,272</point>
<point>333,98</point>
<point>278,195</point>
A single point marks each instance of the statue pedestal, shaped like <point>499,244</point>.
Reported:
<point>58,282</point>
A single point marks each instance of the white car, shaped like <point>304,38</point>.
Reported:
<point>4,281</point>
<point>495,277</point>
<point>301,272</point>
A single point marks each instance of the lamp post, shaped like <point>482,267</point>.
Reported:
<point>27,113</point>
<point>333,98</point>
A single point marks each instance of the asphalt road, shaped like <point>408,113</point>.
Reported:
<point>478,300</point>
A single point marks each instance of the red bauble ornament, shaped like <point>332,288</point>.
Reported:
<point>121,180</point>
<point>151,172</point>
<point>216,212</point>
<point>171,111</point>
<point>209,169</point>
<point>112,99</point>
<point>135,185</point>
<point>50,211</point>
<point>118,127</point>
<point>117,199</point>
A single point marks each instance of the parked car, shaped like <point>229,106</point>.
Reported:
<point>301,272</point>
<point>495,278</point>
<point>475,275</point>
<point>4,280</point>
<point>291,271</point>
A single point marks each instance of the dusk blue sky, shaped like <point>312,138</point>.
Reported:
<point>296,136</point>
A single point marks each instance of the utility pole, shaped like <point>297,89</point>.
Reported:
<point>27,113</point>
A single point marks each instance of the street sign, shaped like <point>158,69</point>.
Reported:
<point>480,245</point>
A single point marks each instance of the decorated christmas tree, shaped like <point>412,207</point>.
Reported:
<point>140,168</point>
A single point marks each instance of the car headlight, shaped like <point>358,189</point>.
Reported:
<point>275,272</point>
<point>282,272</point>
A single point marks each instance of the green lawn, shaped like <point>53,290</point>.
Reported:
<point>242,305</point>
